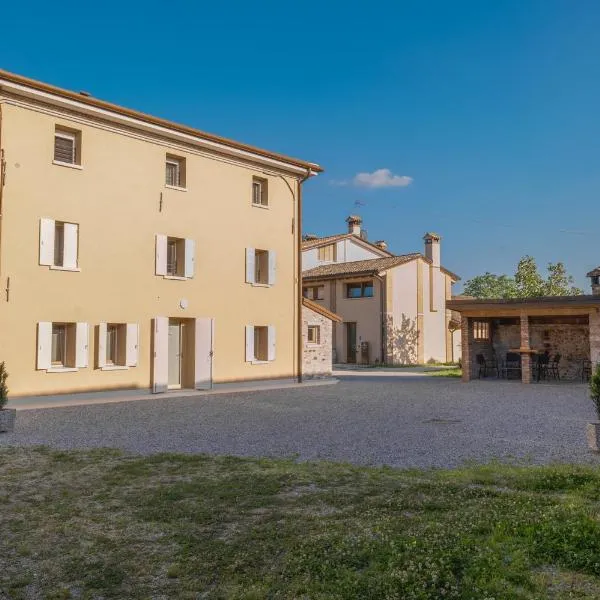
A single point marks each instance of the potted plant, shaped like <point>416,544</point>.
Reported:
<point>593,429</point>
<point>7,415</point>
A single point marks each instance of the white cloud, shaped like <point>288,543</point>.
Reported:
<point>381,178</point>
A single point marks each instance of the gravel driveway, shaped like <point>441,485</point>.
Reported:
<point>404,422</point>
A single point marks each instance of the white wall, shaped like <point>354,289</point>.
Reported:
<point>347,250</point>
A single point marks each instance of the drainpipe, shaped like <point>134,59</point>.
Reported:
<point>298,233</point>
<point>382,304</point>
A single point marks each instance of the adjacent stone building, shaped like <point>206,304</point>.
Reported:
<point>317,330</point>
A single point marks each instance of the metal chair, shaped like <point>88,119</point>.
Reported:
<point>485,364</point>
<point>540,366</point>
<point>553,370</point>
<point>586,370</point>
<point>512,364</point>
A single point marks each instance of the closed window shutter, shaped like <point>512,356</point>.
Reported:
<point>249,343</point>
<point>272,267</point>
<point>64,149</point>
<point>47,230</point>
<point>161,254</point>
<point>71,242</point>
<point>271,342</point>
<point>250,262</point>
<point>132,345</point>
<point>190,257</point>
<point>102,327</point>
<point>81,345</point>
<point>44,347</point>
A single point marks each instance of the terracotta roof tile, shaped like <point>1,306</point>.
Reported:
<point>594,273</point>
<point>359,267</point>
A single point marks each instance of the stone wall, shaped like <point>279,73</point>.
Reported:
<point>317,358</point>
<point>595,338</point>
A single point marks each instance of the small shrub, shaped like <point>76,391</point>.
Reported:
<point>594,390</point>
<point>3,387</point>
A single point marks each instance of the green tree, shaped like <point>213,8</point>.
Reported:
<point>526,283</point>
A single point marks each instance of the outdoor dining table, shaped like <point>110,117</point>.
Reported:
<point>531,352</point>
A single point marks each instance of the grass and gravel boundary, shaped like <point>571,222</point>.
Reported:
<point>101,524</point>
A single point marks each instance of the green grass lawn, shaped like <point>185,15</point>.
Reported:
<point>452,372</point>
<point>99,524</point>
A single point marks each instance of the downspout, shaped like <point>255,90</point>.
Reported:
<point>2,181</point>
<point>300,348</point>
<point>382,304</point>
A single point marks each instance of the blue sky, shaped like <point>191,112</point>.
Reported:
<point>490,108</point>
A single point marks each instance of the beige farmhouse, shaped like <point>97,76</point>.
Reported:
<point>139,253</point>
<point>393,307</point>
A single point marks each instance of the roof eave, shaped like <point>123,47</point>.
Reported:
<point>24,86</point>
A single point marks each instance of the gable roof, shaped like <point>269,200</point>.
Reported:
<point>330,239</point>
<point>321,310</point>
<point>372,266</point>
<point>25,86</point>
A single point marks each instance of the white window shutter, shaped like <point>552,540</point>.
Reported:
<point>102,328</point>
<point>160,376</point>
<point>272,266</point>
<point>250,268</point>
<point>82,335</point>
<point>249,343</point>
<point>47,228</point>
<point>190,257</point>
<point>271,338</point>
<point>203,353</point>
<point>44,345</point>
<point>161,254</point>
<point>132,342</point>
<point>70,245</point>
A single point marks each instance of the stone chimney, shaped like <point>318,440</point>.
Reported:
<point>432,248</point>
<point>595,279</point>
<point>381,244</point>
<point>354,224</point>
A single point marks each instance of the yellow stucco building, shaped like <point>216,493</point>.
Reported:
<point>138,253</point>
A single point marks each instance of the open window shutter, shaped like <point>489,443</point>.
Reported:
<point>190,257</point>
<point>272,267</point>
<point>102,345</point>
<point>47,242</point>
<point>250,269</point>
<point>71,246</point>
<point>161,254</point>
<point>271,338</point>
<point>203,353</point>
<point>132,344</point>
<point>249,343</point>
<point>82,335</point>
<point>160,378</point>
<point>44,349</point>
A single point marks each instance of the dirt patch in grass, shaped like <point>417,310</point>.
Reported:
<point>99,524</point>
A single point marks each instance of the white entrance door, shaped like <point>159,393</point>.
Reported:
<point>203,353</point>
<point>174,354</point>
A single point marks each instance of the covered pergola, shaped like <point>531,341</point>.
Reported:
<point>568,326</point>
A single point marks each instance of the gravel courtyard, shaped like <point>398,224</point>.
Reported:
<point>403,422</point>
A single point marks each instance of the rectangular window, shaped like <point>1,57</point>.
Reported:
<point>59,243</point>
<point>59,345</point>
<point>116,336</point>
<point>314,292</point>
<point>175,257</point>
<point>314,334</point>
<point>359,290</point>
<point>261,267</point>
<point>328,253</point>
<point>260,195</point>
<point>596,280</point>
<point>67,146</point>
<point>175,171</point>
<point>481,330</point>
<point>261,343</point>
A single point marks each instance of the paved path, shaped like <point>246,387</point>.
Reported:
<point>406,422</point>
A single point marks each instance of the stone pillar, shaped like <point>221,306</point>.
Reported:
<point>525,356</point>
<point>466,333</point>
<point>595,337</point>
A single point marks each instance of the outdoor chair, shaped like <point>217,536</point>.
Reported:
<point>552,367</point>
<point>586,370</point>
<point>512,364</point>
<point>541,366</point>
<point>486,365</point>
